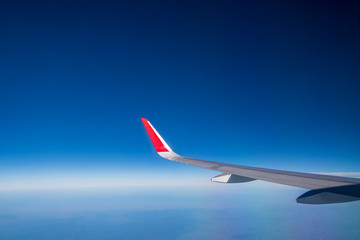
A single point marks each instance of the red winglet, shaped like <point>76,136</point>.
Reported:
<point>155,137</point>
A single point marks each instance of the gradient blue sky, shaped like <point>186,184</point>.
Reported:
<point>271,84</point>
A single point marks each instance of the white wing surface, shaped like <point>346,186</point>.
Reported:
<point>237,173</point>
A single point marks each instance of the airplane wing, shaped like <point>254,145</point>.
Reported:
<point>324,188</point>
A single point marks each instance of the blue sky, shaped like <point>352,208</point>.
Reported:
<point>263,84</point>
<point>259,83</point>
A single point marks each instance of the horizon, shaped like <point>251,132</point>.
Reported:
<point>254,83</point>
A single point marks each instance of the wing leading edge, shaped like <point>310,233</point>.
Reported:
<point>311,181</point>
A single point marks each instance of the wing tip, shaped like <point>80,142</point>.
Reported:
<point>159,144</point>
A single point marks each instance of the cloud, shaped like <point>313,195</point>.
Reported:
<point>98,179</point>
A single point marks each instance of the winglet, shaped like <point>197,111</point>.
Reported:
<point>158,142</point>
